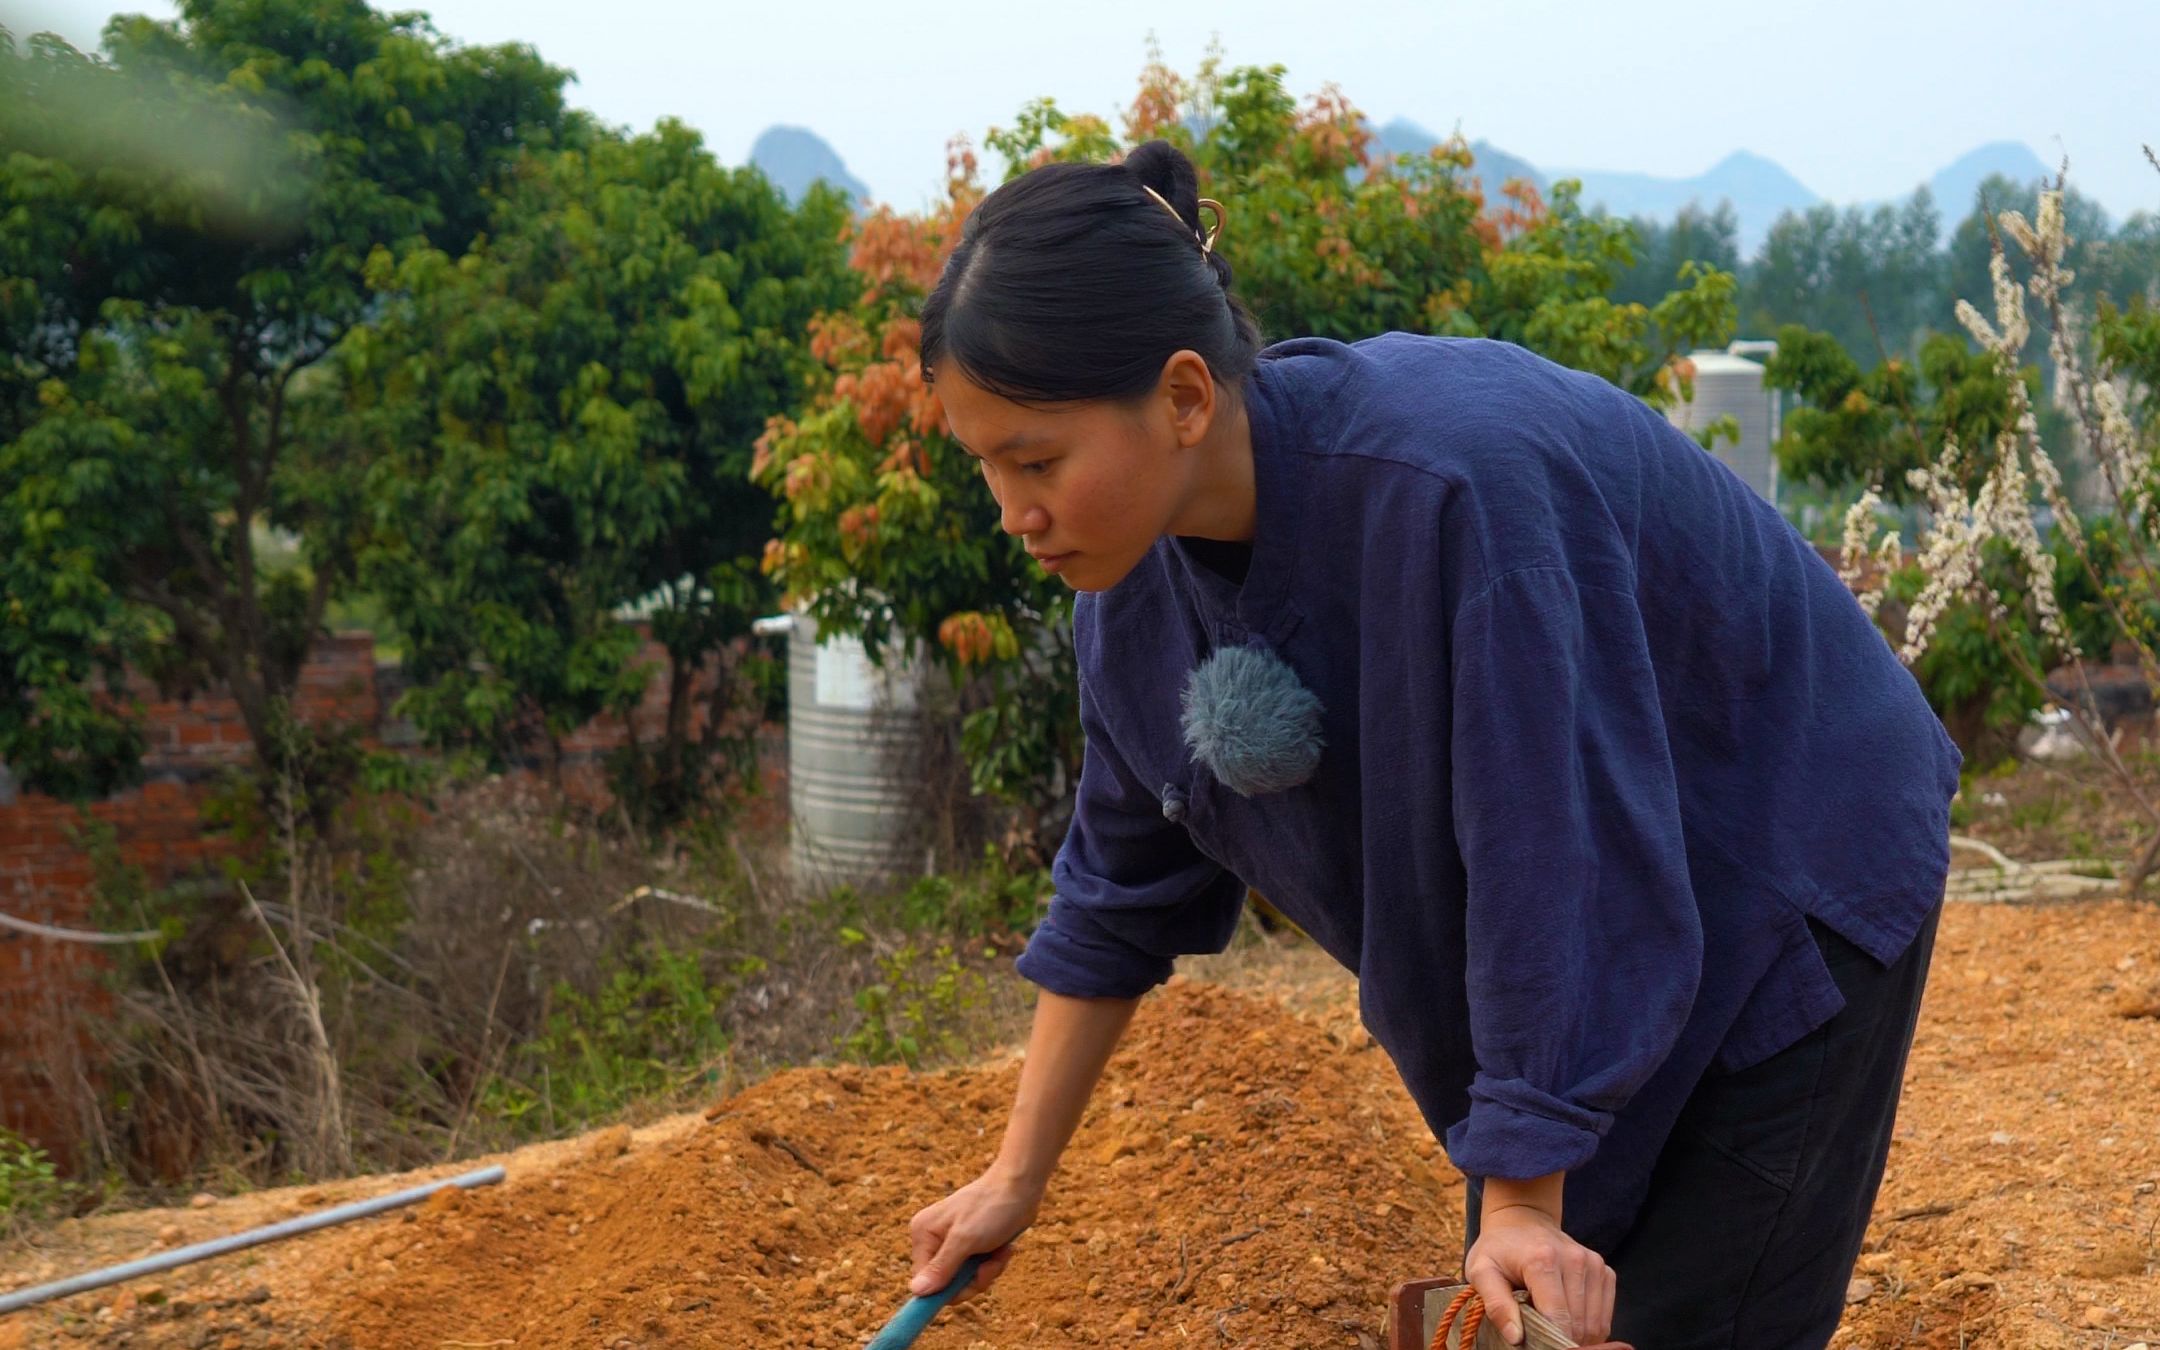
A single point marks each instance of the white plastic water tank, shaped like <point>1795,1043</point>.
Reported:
<point>1729,384</point>
<point>854,731</point>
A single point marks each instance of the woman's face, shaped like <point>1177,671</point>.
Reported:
<point>1088,487</point>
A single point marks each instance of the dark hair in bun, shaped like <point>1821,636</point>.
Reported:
<point>1071,283</point>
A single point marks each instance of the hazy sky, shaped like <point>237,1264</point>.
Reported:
<point>1860,99</point>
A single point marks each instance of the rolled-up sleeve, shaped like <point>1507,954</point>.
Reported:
<point>1132,891</point>
<point>1583,944</point>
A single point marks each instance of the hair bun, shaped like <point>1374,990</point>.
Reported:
<point>1162,166</point>
<point>1070,284</point>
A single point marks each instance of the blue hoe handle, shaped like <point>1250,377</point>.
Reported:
<point>915,1315</point>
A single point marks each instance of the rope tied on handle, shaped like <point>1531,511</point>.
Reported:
<point>1471,1309</point>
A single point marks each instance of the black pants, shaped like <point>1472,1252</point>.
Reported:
<point>1761,1196</point>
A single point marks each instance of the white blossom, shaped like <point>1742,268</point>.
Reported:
<point>1852,561</point>
<point>2020,474</point>
<point>2009,304</point>
<point>1977,326</point>
<point>1859,526</point>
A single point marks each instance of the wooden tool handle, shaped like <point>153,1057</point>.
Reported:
<point>1415,1307</point>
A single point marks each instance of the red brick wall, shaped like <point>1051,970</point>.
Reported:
<point>45,876</point>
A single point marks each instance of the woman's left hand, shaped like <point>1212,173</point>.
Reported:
<point>1520,1247</point>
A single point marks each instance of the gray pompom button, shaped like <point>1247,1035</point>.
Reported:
<point>1249,720</point>
<point>1173,803</point>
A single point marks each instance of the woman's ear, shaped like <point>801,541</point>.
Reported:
<point>1188,389</point>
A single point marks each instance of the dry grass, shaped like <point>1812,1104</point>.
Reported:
<point>349,1011</point>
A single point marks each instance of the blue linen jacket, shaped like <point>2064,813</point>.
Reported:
<point>1601,732</point>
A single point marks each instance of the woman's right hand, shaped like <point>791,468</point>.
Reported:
<point>1071,1041</point>
<point>983,1216</point>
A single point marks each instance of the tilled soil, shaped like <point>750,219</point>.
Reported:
<point>1249,1174</point>
<point>2020,1207</point>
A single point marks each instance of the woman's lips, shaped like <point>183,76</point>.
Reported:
<point>1052,562</point>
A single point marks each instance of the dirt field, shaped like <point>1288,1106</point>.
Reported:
<point>1250,1174</point>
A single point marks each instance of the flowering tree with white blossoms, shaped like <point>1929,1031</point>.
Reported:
<point>1979,495</point>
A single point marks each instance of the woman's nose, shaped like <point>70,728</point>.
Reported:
<point>1020,516</point>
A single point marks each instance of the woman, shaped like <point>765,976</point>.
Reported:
<point>1527,710</point>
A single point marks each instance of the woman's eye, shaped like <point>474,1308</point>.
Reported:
<point>1036,468</point>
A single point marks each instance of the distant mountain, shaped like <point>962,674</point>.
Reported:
<point>1759,189</point>
<point>1490,166</point>
<point>1955,187</point>
<point>795,157</point>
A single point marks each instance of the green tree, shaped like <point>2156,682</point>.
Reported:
<point>1549,286</point>
<point>162,332</point>
<point>1858,426</point>
<point>559,425</point>
<point>2124,269</point>
<point>1709,238</point>
<point>1872,279</point>
<point>2129,340</point>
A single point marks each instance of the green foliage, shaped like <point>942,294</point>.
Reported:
<point>559,426</point>
<point>2091,599</point>
<point>1347,247</point>
<point>1027,717</point>
<point>1324,242</point>
<point>1723,428</point>
<point>995,898</point>
<point>1967,673</point>
<point>652,1030</point>
<point>163,318</point>
<point>913,1010</point>
<point>1857,427</point>
<point>30,1186</point>
<point>2129,339</point>
<point>1549,290</point>
<point>1872,279</point>
<point>1710,239</point>
<point>2038,813</point>
<point>1974,672</point>
<point>1879,281</point>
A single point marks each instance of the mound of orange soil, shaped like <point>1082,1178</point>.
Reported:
<point>1247,1175</point>
<point>1242,1177</point>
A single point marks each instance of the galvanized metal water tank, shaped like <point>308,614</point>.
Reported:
<point>1725,383</point>
<point>854,735</point>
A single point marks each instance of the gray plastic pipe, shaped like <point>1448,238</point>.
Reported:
<point>180,1256</point>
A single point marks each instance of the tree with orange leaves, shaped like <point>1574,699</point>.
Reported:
<point>887,530</point>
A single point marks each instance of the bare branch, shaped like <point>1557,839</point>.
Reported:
<point>46,930</point>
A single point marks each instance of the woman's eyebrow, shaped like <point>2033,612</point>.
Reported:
<point>1017,441</point>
